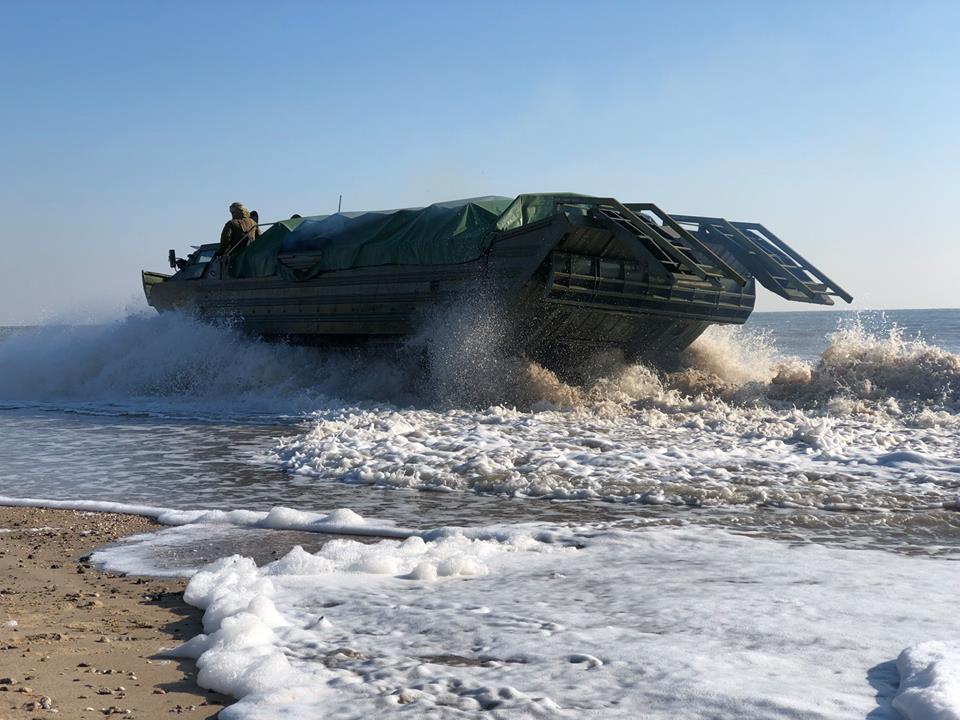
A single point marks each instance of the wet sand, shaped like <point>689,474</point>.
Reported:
<point>84,643</point>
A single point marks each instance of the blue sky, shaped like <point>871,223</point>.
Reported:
<point>127,128</point>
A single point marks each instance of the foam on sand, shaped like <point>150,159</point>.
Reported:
<point>340,521</point>
<point>662,623</point>
<point>929,682</point>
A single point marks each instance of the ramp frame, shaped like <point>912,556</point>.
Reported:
<point>777,266</point>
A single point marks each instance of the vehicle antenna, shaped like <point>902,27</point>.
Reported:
<point>339,203</point>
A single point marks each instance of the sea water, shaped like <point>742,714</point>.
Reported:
<point>762,531</point>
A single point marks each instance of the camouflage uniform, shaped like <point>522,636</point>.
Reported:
<point>238,232</point>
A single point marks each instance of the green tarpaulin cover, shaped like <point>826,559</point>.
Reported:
<point>443,233</point>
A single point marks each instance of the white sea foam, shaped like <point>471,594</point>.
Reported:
<point>929,681</point>
<point>692,452</point>
<point>664,623</point>
<point>873,425</point>
<point>341,521</point>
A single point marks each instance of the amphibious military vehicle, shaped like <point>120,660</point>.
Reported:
<point>563,274</point>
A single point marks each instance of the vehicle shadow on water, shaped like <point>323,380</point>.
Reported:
<point>886,681</point>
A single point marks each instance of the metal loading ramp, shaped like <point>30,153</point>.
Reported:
<point>777,266</point>
<point>656,235</point>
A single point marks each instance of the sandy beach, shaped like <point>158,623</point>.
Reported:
<point>82,643</point>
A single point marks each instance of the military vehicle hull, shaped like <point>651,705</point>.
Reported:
<point>567,284</point>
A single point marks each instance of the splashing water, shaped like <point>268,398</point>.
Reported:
<point>872,425</point>
<point>871,367</point>
<point>175,360</point>
<point>858,370</point>
<point>171,362</point>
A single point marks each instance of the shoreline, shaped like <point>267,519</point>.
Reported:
<point>83,642</point>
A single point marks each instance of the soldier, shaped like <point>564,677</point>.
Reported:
<point>238,232</point>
